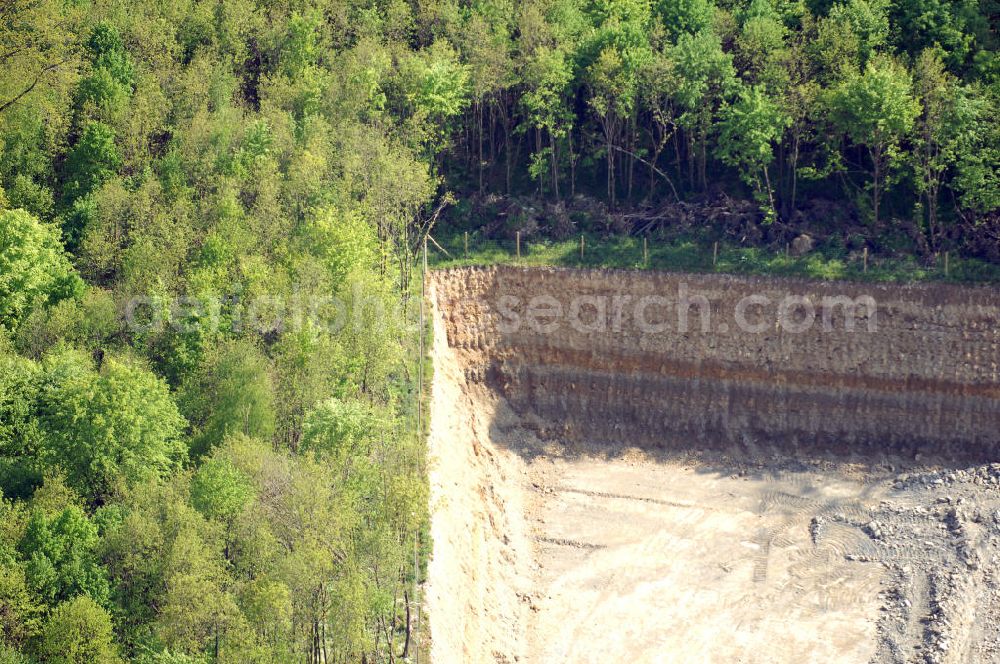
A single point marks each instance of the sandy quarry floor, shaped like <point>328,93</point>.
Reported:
<point>694,559</point>
<point>643,562</point>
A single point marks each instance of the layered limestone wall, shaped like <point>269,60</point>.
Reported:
<point>669,360</point>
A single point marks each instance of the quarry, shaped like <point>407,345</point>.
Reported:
<point>635,466</point>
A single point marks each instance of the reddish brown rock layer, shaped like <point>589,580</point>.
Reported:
<point>919,371</point>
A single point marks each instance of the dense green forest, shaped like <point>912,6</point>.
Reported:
<point>210,213</point>
<point>877,116</point>
<point>207,338</point>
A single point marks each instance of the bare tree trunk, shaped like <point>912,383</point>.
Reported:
<point>703,159</point>
<point>689,146</point>
<point>493,131</point>
<point>479,116</point>
<point>505,123</point>
<point>538,148</point>
<point>406,643</point>
<point>770,192</point>
<point>323,641</point>
<point>677,157</point>
<point>610,134</point>
<point>795,177</point>
<point>652,165</point>
<point>572,164</point>
<point>876,184</point>
<point>932,214</point>
<point>555,165</point>
<point>631,160</point>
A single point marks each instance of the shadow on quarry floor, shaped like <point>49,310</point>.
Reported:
<point>530,437</point>
<point>749,554</point>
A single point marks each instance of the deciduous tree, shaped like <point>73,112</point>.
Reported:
<point>876,109</point>
<point>34,268</point>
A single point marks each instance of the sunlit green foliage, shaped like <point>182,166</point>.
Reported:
<point>110,427</point>
<point>79,631</point>
<point>60,555</point>
<point>34,270</point>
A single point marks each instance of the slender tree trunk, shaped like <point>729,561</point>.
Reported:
<point>538,148</point>
<point>611,179</point>
<point>631,160</point>
<point>555,164</point>
<point>654,154</point>
<point>391,631</point>
<point>702,159</point>
<point>770,192</point>
<point>690,160</point>
<point>932,213</point>
<point>782,168</point>
<point>315,641</point>
<point>677,158</point>
<point>492,141</point>
<point>572,163</point>
<point>504,109</point>
<point>406,642</point>
<point>876,183</point>
<point>932,187</point>
<point>479,117</point>
<point>507,157</point>
<point>322,641</point>
<point>607,124</point>
<point>795,177</point>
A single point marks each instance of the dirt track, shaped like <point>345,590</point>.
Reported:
<point>644,562</point>
<point>704,560</point>
<point>556,548</point>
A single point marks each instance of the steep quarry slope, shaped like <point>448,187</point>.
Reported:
<point>676,468</point>
<point>924,372</point>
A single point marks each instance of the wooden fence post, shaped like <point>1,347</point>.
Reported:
<point>466,244</point>
<point>518,240</point>
<point>645,251</point>
<point>581,248</point>
<point>715,254</point>
<point>866,259</point>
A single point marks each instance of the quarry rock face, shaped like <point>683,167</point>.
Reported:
<point>710,360</point>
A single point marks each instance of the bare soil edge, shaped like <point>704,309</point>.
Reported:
<point>482,555</point>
